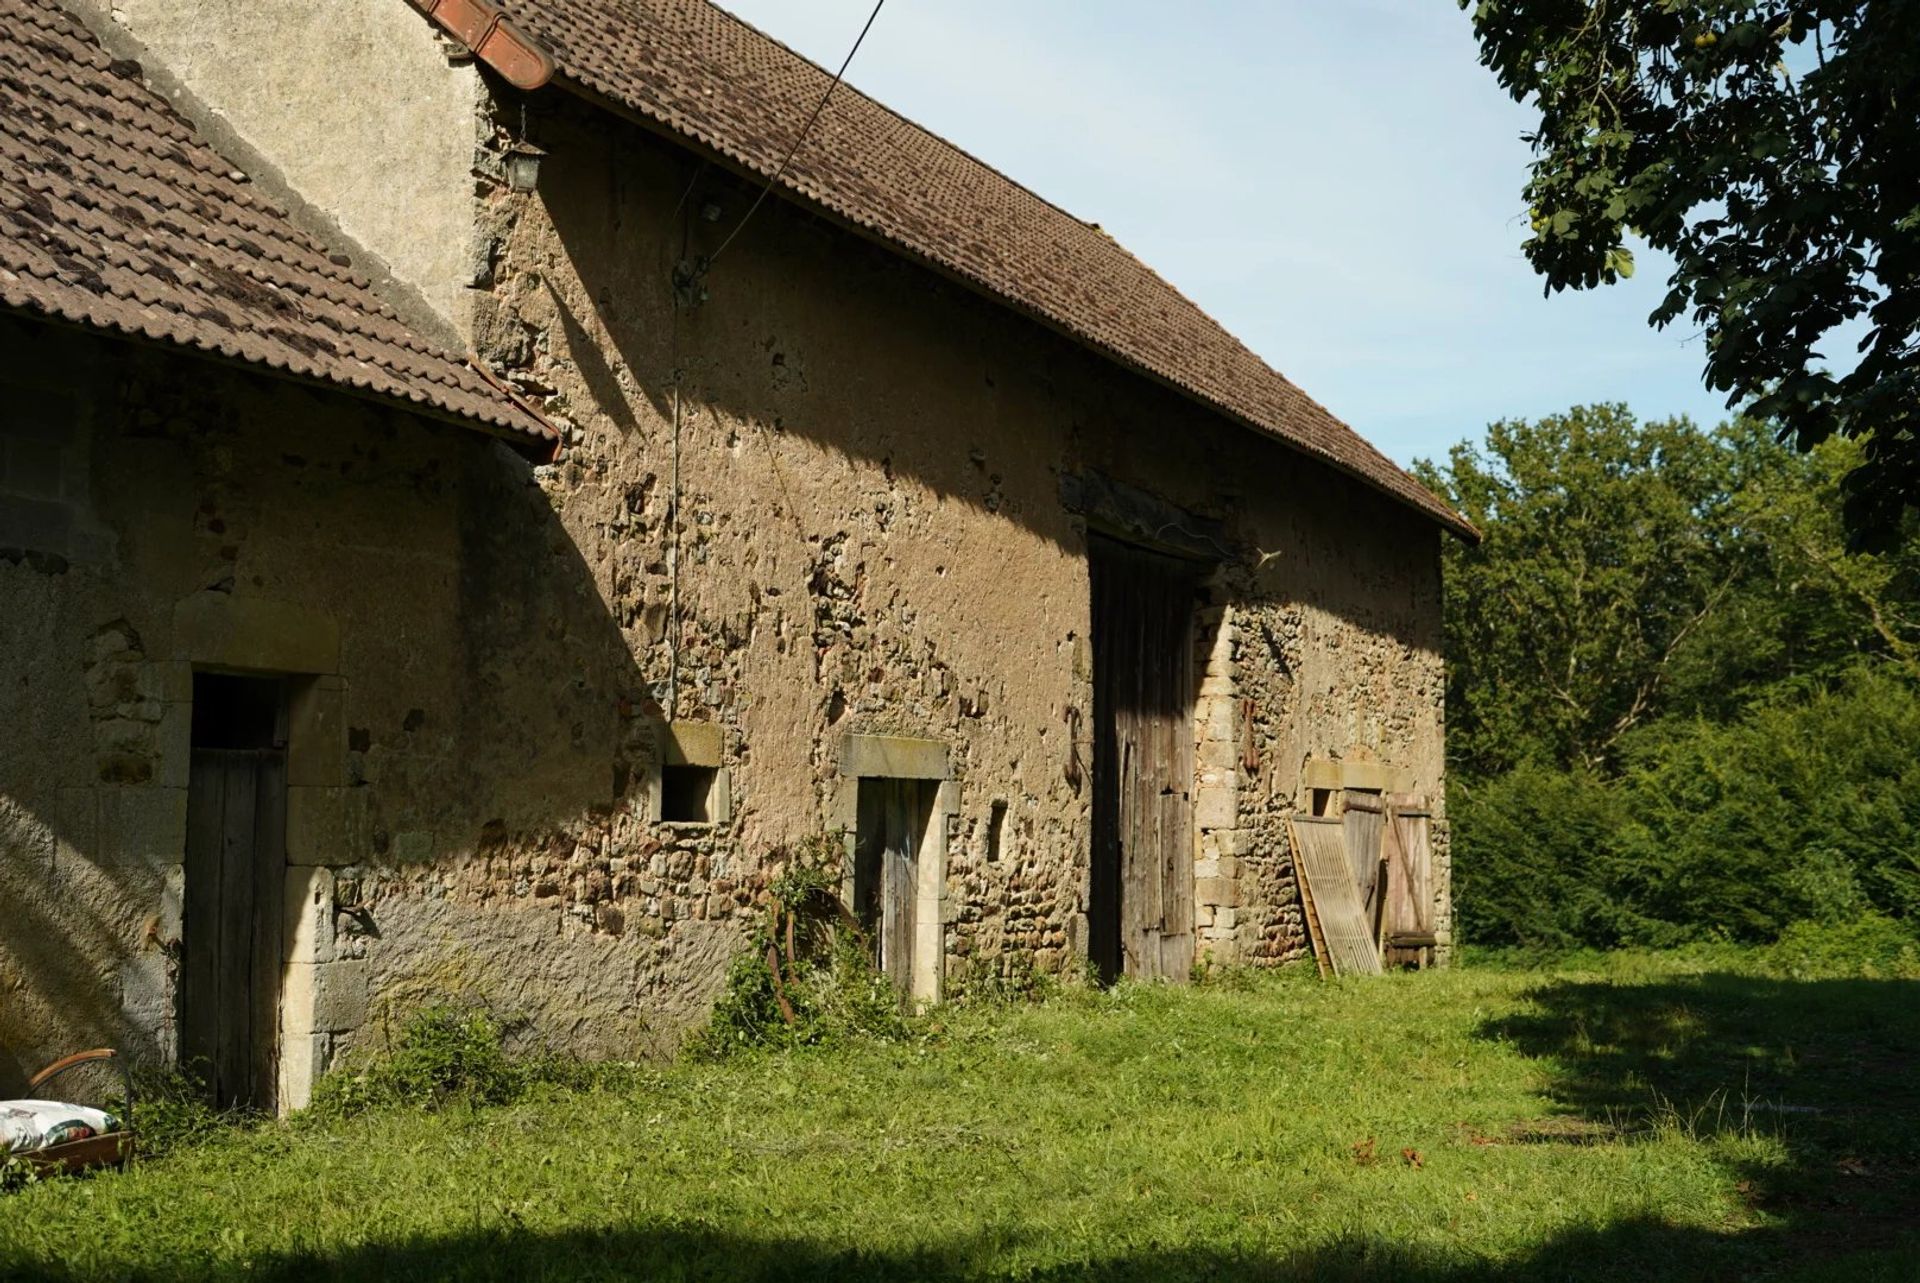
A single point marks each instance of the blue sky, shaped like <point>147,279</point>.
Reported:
<point>1337,181</point>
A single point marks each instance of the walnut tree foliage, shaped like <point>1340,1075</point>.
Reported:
<point>1770,149</point>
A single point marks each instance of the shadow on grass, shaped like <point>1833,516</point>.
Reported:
<point>1628,1251</point>
<point>1825,1069</point>
<point>1828,1070</point>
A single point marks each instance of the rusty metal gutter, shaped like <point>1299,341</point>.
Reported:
<point>484,30</point>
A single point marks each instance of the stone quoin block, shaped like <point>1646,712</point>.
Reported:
<point>173,745</point>
<point>322,997</point>
<point>304,1057</point>
<point>317,826</point>
<point>317,733</point>
<point>146,991</point>
<point>1216,807</point>
<point>251,632</point>
<point>1220,892</point>
<point>309,919</point>
<point>1233,841</point>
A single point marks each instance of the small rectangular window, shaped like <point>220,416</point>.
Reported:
<point>996,830</point>
<point>687,794</point>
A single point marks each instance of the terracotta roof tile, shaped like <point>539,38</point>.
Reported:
<point>114,214</point>
<point>710,78</point>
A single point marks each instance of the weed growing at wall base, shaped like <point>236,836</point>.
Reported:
<point>807,976</point>
<point>449,1055</point>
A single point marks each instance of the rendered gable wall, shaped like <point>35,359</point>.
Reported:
<point>354,103</point>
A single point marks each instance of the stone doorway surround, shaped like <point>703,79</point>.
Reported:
<point>898,757</point>
<point>323,991</point>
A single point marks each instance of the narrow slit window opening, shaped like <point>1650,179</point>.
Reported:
<point>996,830</point>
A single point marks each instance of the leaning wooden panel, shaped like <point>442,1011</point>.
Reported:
<point>1365,816</point>
<point>1320,857</point>
<point>1315,936</point>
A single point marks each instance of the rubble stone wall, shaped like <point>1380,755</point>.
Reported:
<point>467,759</point>
<point>882,520</point>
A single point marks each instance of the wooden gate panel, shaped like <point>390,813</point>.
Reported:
<point>1320,858</point>
<point>200,975</point>
<point>902,860</point>
<point>893,819</point>
<point>233,1044</point>
<point>1365,820</point>
<point>269,924</point>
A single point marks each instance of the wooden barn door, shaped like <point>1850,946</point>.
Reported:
<point>235,878</point>
<point>1140,902</point>
<point>893,820</point>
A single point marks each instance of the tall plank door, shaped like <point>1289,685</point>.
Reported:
<point>1140,892</point>
<point>893,820</point>
<point>235,875</point>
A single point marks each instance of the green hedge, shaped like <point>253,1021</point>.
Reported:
<point>1803,810</point>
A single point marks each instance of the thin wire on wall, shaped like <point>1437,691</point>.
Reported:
<point>801,137</point>
<point>684,280</point>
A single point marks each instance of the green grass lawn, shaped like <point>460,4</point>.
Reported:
<point>1648,1118</point>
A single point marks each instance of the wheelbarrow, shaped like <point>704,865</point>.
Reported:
<point>100,1148</point>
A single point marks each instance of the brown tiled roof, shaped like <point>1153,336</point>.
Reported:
<point>710,78</point>
<point>114,214</point>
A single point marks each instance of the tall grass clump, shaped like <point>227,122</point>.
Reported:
<point>448,1055</point>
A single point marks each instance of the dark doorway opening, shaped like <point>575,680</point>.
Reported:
<point>1140,889</point>
<point>893,822</point>
<point>235,878</point>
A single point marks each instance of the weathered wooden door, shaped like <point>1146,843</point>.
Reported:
<point>1364,819</point>
<point>1140,901</point>
<point>231,921</point>
<point>1410,916</point>
<point>892,825</point>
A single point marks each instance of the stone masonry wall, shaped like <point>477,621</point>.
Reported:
<point>469,759</point>
<point>873,537</point>
<point>808,491</point>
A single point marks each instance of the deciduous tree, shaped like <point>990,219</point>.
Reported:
<point>1770,149</point>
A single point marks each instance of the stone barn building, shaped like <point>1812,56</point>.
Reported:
<point>469,510</point>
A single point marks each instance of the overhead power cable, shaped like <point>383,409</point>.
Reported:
<point>805,129</point>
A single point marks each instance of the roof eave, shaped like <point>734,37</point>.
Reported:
<point>1437,512</point>
<point>534,448</point>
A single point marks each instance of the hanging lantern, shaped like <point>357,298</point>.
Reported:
<point>523,166</point>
